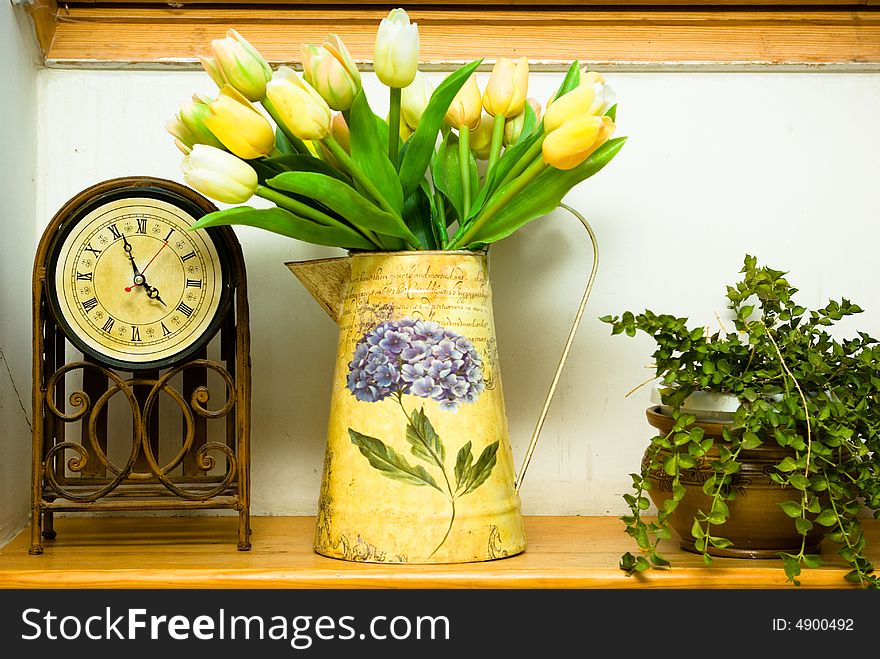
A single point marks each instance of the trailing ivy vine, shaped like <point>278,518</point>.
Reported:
<point>799,386</point>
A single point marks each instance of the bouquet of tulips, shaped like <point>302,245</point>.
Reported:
<point>447,168</point>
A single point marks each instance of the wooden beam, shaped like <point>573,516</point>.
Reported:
<point>43,15</point>
<point>160,36</point>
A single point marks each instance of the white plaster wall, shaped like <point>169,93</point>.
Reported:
<point>18,127</point>
<point>784,166</point>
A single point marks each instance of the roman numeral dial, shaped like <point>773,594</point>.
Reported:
<point>134,284</point>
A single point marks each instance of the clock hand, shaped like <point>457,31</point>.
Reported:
<point>164,245</point>
<point>153,292</point>
<point>127,247</point>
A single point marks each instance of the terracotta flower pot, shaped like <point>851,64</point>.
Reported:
<point>757,526</point>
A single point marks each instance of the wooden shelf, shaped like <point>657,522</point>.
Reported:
<point>200,552</point>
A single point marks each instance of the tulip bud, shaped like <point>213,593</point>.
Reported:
<point>396,55</point>
<point>603,95</point>
<point>466,108</point>
<point>414,99</point>
<point>298,106</point>
<point>339,131</point>
<point>508,85</point>
<point>481,137</point>
<point>239,125</point>
<point>188,125</point>
<point>213,70</point>
<point>330,70</point>
<point>240,65</point>
<point>219,175</point>
<point>514,126</point>
<point>570,144</point>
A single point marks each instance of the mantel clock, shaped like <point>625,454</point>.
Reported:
<point>143,303</point>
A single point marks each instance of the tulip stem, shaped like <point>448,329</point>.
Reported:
<point>524,161</point>
<point>394,127</point>
<point>297,144</point>
<point>497,139</point>
<point>464,160</point>
<point>465,235</point>
<point>304,210</point>
<point>368,185</point>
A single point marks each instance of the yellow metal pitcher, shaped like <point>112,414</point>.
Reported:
<point>418,465</point>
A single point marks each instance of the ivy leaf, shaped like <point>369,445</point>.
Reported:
<point>390,462</point>
<point>827,517</point>
<point>799,481</point>
<point>425,442</point>
<point>791,508</point>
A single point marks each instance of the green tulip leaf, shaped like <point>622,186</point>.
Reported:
<point>342,199</point>
<point>417,211</point>
<point>285,223</point>
<point>367,152</point>
<point>572,79</point>
<point>302,163</point>
<point>423,141</point>
<point>390,462</point>
<point>505,164</point>
<point>545,193</point>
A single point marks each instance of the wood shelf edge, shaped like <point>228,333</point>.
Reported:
<point>199,552</point>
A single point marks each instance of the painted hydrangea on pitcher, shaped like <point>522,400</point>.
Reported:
<point>417,357</point>
<point>423,359</point>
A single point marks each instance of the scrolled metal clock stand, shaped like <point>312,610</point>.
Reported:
<point>98,433</point>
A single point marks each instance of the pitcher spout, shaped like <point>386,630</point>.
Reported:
<point>326,279</point>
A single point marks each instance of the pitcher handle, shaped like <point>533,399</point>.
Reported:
<point>566,350</point>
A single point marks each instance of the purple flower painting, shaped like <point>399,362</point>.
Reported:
<point>424,359</point>
<point>417,357</point>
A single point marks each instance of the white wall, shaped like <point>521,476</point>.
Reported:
<point>18,121</point>
<point>784,166</point>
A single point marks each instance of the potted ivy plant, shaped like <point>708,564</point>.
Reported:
<point>807,419</point>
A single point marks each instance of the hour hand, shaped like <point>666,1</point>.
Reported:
<point>153,293</point>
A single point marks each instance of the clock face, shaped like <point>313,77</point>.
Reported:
<point>133,285</point>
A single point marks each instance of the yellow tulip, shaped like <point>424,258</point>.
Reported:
<point>414,99</point>
<point>239,125</point>
<point>331,71</point>
<point>592,97</point>
<point>236,62</point>
<point>466,108</point>
<point>508,85</point>
<point>570,144</point>
<point>396,55</point>
<point>481,137</point>
<point>298,106</point>
<point>219,175</point>
<point>514,126</point>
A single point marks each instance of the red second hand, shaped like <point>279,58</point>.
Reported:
<point>128,289</point>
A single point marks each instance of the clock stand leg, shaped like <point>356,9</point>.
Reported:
<point>49,525</point>
<point>244,530</point>
<point>36,547</point>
